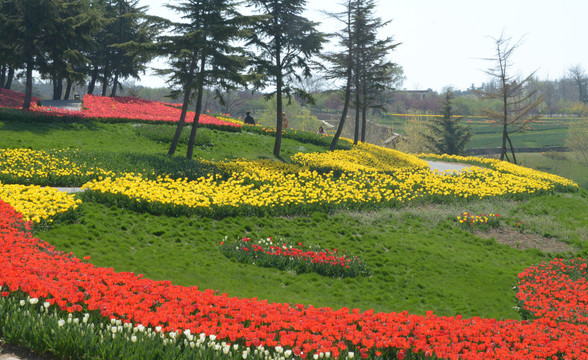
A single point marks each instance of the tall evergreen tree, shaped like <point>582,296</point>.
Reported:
<point>449,136</point>
<point>286,41</point>
<point>361,62</point>
<point>342,63</point>
<point>132,33</point>
<point>200,53</point>
<point>11,57</point>
<point>373,72</point>
<point>30,24</point>
<point>73,28</point>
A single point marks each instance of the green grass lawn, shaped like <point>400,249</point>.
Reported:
<point>545,132</point>
<point>569,165</point>
<point>420,260</point>
<point>536,138</point>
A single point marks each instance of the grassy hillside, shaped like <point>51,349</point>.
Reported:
<point>421,260</point>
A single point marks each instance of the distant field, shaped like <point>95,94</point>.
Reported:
<point>544,132</point>
<point>568,165</point>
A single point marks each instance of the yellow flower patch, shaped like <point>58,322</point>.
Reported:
<point>37,203</point>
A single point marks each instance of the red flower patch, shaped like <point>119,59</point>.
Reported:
<point>36,268</point>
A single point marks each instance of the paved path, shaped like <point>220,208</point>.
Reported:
<point>443,166</point>
<point>63,104</point>
<point>70,190</point>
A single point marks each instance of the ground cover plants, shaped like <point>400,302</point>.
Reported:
<point>135,290</point>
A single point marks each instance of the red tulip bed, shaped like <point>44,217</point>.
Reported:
<point>33,271</point>
<point>277,254</point>
<point>565,281</point>
<point>116,108</point>
<point>139,109</point>
<point>13,99</point>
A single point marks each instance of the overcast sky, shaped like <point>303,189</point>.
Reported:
<point>443,42</point>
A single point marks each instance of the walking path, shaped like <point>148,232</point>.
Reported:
<point>63,104</point>
<point>444,166</point>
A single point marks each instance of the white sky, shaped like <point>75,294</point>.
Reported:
<point>443,41</point>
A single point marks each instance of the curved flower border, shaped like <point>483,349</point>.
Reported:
<point>34,267</point>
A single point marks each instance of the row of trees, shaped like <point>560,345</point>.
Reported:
<point>213,46</point>
<point>69,42</point>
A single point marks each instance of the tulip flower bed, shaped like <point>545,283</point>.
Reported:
<point>138,109</point>
<point>505,167</point>
<point>556,290</point>
<point>262,187</point>
<point>26,166</point>
<point>13,99</point>
<point>481,222</point>
<point>283,256</point>
<point>37,204</point>
<point>44,285</point>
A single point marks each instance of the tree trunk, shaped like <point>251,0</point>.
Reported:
<point>105,81</point>
<point>514,158</point>
<point>363,122</point>
<point>57,88</point>
<point>279,107</point>
<point>200,89</point>
<point>504,128</point>
<point>28,85</point>
<point>357,111</point>
<point>347,87</point>
<point>93,79</point>
<point>3,76</point>
<point>9,78</point>
<point>114,85</point>
<point>185,103</point>
<point>68,89</point>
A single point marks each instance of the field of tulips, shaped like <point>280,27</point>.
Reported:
<point>280,255</point>
<point>139,109</point>
<point>76,309</point>
<point>107,108</point>
<point>267,187</point>
<point>556,290</point>
<point>26,166</point>
<point>505,167</point>
<point>13,99</point>
<point>48,281</point>
<point>38,204</point>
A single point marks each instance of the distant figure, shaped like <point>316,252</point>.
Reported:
<point>321,131</point>
<point>284,121</point>
<point>249,119</point>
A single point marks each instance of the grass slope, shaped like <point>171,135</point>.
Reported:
<point>419,259</point>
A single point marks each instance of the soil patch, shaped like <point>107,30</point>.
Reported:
<point>12,352</point>
<point>518,240</point>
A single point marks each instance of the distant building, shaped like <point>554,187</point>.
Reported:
<point>418,94</point>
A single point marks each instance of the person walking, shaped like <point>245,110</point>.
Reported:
<point>249,119</point>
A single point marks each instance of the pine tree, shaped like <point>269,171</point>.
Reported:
<point>362,63</point>
<point>449,136</point>
<point>201,53</point>
<point>341,64</point>
<point>286,41</point>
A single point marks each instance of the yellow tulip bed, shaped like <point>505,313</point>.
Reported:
<point>365,177</point>
<point>26,166</point>
<point>38,204</point>
<point>504,167</point>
